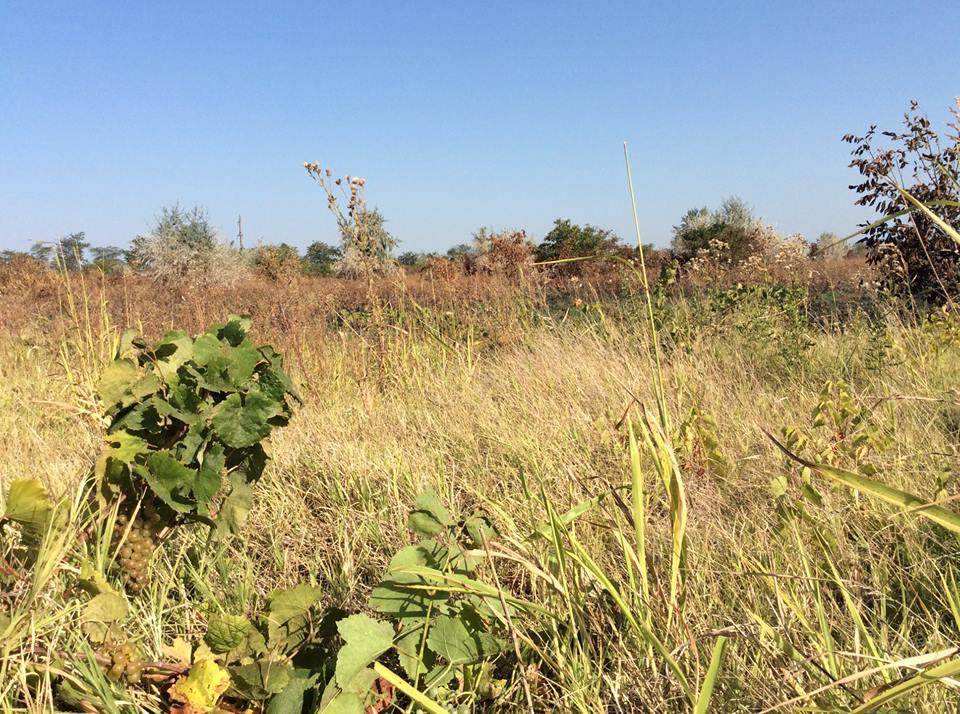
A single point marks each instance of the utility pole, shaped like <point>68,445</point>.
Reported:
<point>240,231</point>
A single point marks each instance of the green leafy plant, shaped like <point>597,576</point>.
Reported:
<point>446,627</point>
<point>188,418</point>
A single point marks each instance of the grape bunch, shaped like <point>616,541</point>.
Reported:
<point>137,547</point>
<point>125,661</point>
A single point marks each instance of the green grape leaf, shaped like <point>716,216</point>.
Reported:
<point>227,632</point>
<point>460,641</point>
<point>365,640</point>
<point>125,447</point>
<point>290,700</point>
<point>235,330</point>
<point>209,476</point>
<point>93,581</point>
<point>116,380</point>
<point>226,367</point>
<point>235,507</point>
<point>242,422</point>
<point>429,516</point>
<point>408,646</point>
<point>173,350</point>
<point>262,678</point>
<point>396,596</point>
<point>170,480</point>
<point>288,615</point>
<point>337,702</point>
<point>101,612</point>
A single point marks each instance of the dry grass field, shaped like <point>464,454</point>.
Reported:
<point>652,547</point>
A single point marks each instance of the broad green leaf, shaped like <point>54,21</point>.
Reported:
<point>479,528</point>
<point>116,380</point>
<point>408,645</point>
<point>459,642</point>
<point>173,350</point>
<point>288,615</point>
<point>27,503</point>
<point>395,596</point>
<point>226,367</point>
<point>171,481</point>
<point>365,640</point>
<point>209,475</point>
<point>262,678</point>
<point>125,447</point>
<point>201,689</point>
<point>93,582</point>
<point>343,703</point>
<point>235,330</point>
<point>243,421</point>
<point>429,517</point>
<point>235,507</point>
<point>227,632</point>
<point>290,700</point>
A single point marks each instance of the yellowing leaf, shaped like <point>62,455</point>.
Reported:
<point>199,691</point>
<point>28,505</point>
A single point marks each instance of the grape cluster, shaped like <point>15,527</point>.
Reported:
<point>125,661</point>
<point>137,547</point>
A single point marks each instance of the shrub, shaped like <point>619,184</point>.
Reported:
<point>730,234</point>
<point>277,262</point>
<point>914,255</point>
<point>569,240</point>
<point>499,253</point>
<point>183,247</point>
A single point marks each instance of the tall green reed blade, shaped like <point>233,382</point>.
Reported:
<point>639,513</point>
<point>894,496</point>
<point>652,323</point>
<point>710,681</point>
<point>951,232</point>
<point>669,469</point>
<point>930,676</point>
<point>644,633</point>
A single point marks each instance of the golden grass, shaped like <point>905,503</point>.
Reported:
<point>393,407</point>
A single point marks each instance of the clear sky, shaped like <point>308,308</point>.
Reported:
<point>508,114</point>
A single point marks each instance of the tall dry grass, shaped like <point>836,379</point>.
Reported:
<point>696,559</point>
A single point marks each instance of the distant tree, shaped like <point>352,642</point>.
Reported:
<point>108,258</point>
<point>459,251</point>
<point>913,253</point>
<point>500,252</point>
<point>321,258</point>
<point>829,245</point>
<point>71,251</point>
<point>9,256</point>
<point>569,240</point>
<point>42,251</point>
<point>731,232</point>
<point>413,259</point>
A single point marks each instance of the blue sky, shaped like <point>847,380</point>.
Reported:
<point>508,114</point>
